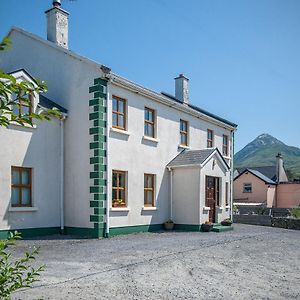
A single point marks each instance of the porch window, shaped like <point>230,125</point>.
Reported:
<point>149,189</point>
<point>226,194</point>
<point>183,133</point>
<point>118,188</point>
<point>23,105</point>
<point>225,145</point>
<point>118,113</point>
<point>210,138</point>
<point>247,188</point>
<point>21,187</point>
<point>149,125</point>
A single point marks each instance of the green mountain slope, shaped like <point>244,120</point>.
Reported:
<point>262,152</point>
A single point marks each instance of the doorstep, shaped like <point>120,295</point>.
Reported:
<point>220,228</point>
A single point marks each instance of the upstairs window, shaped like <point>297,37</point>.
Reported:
<point>119,113</point>
<point>149,125</point>
<point>21,187</point>
<point>247,188</point>
<point>225,145</point>
<point>23,105</point>
<point>118,188</point>
<point>210,138</point>
<point>183,133</point>
<point>149,189</point>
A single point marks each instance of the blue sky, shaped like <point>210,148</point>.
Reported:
<point>242,57</point>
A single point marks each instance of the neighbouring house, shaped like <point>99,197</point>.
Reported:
<point>265,186</point>
<point>123,159</point>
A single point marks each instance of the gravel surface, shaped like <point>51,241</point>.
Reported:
<point>251,262</point>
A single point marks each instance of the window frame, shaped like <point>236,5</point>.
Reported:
<point>118,188</point>
<point>184,133</point>
<point>210,142</point>
<point>118,113</point>
<point>19,105</point>
<point>152,123</point>
<point>225,148</point>
<point>149,189</point>
<point>20,186</point>
<point>244,187</point>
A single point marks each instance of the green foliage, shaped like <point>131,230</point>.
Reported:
<point>11,92</point>
<point>295,212</point>
<point>16,273</point>
<point>261,210</point>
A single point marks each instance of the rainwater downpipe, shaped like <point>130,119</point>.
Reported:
<point>107,162</point>
<point>231,176</point>
<point>62,173</point>
<point>171,193</point>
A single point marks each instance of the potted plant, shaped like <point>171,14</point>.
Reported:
<point>115,204</point>
<point>226,222</point>
<point>169,225</point>
<point>207,226</point>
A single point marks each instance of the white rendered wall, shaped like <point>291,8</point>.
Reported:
<point>186,195</point>
<point>37,148</point>
<point>131,153</point>
<point>68,81</point>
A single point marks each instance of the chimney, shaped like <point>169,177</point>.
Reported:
<point>280,172</point>
<point>57,24</point>
<point>182,88</point>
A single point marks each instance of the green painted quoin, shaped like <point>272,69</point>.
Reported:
<point>97,117</point>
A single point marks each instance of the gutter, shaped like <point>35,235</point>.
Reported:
<point>62,175</point>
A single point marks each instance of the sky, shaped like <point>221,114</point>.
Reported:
<point>242,57</point>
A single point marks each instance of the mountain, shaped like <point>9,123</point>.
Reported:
<point>262,152</point>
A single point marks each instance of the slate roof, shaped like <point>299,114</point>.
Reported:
<point>198,109</point>
<point>193,157</point>
<point>268,171</point>
<point>258,174</point>
<point>47,103</point>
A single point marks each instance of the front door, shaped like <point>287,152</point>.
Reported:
<point>211,193</point>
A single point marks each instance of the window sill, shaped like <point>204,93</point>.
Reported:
<point>227,206</point>
<point>119,131</point>
<point>17,125</point>
<point>149,208</point>
<point>183,147</point>
<point>206,208</point>
<point>22,209</point>
<point>220,207</point>
<point>226,157</point>
<point>119,209</point>
<point>151,139</point>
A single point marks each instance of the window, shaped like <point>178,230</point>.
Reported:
<point>149,189</point>
<point>149,127</point>
<point>210,138</point>
<point>225,145</point>
<point>119,113</point>
<point>247,188</point>
<point>217,195</point>
<point>21,187</point>
<point>23,105</point>
<point>119,189</point>
<point>226,194</point>
<point>183,133</point>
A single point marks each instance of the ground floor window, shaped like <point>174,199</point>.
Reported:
<point>118,188</point>
<point>21,194</point>
<point>149,189</point>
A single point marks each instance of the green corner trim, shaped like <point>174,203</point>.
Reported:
<point>135,229</point>
<point>31,232</point>
<point>97,131</point>
<point>187,227</point>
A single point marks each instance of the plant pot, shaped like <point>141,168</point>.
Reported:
<point>226,223</point>
<point>169,226</point>
<point>206,227</point>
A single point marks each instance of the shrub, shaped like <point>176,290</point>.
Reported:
<point>16,273</point>
<point>295,212</point>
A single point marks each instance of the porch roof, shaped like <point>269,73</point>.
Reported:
<point>194,157</point>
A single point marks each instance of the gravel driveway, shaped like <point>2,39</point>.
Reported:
<point>251,262</point>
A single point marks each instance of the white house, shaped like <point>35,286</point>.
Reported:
<point>125,158</point>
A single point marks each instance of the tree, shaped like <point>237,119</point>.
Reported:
<point>12,93</point>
